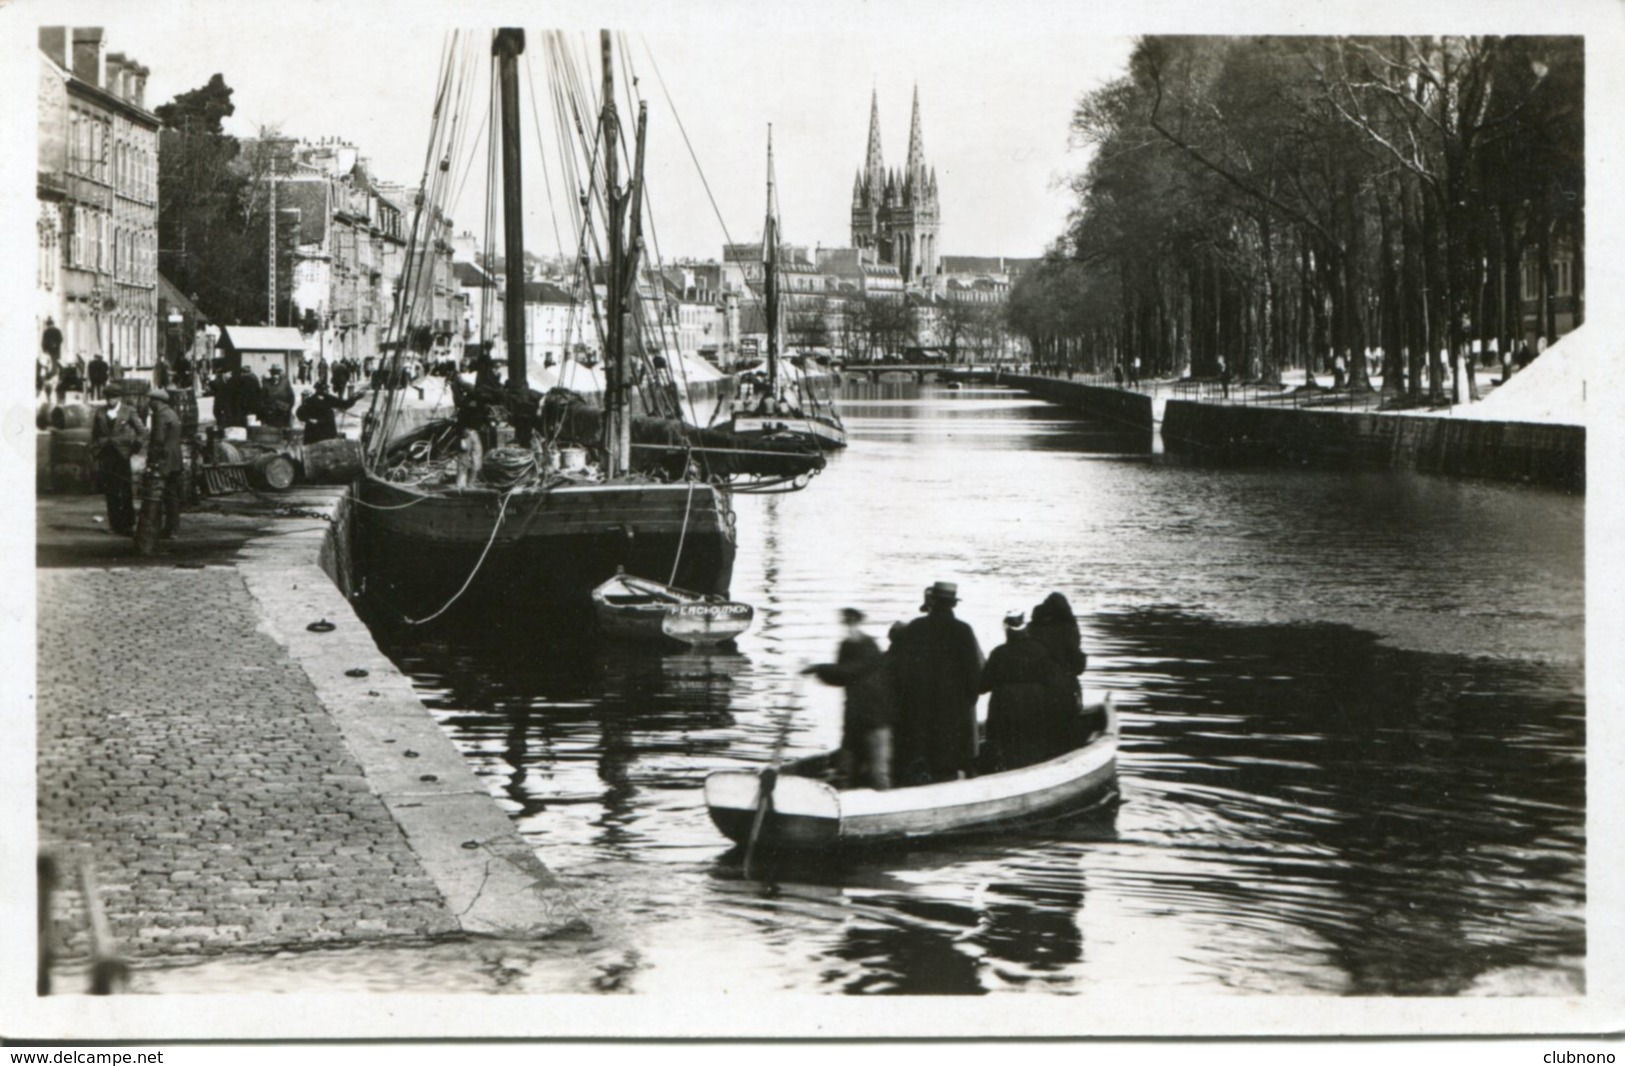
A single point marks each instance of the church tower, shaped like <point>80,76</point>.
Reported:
<point>868,189</point>
<point>895,213</point>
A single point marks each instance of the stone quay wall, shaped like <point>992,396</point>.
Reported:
<point>1531,453</point>
<point>1123,406</point>
<point>241,782</point>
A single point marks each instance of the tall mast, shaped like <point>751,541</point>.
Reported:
<point>507,47</point>
<point>614,289</point>
<point>770,267</point>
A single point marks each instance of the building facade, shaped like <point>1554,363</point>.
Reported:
<point>96,277</point>
<point>341,253</point>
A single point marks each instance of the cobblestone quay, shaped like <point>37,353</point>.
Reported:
<point>196,753</point>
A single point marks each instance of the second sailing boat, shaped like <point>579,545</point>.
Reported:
<point>780,410</point>
<point>526,503</point>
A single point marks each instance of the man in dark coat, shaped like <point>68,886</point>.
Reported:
<point>277,403</point>
<point>97,372</point>
<point>1023,680</point>
<point>227,411</point>
<point>938,667</point>
<point>250,396</point>
<point>318,412</point>
<point>164,459</point>
<point>866,729</point>
<point>116,434</point>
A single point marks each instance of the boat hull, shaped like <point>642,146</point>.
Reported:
<point>638,609</point>
<point>826,434</point>
<point>805,813</point>
<point>539,553</point>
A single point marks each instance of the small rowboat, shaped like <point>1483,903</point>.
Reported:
<point>803,812</point>
<point>629,606</point>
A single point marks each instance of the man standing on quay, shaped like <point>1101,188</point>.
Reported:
<point>165,458</point>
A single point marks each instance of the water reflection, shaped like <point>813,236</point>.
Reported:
<point>1354,742</point>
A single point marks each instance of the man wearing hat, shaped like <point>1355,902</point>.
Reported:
<point>165,458</point>
<point>116,433</point>
<point>319,412</point>
<point>939,676</point>
<point>276,405</point>
<point>866,730</point>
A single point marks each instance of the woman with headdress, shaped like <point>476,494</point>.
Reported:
<point>1055,628</point>
<point>1023,680</point>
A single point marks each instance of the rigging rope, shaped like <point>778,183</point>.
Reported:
<point>501,511</point>
<point>682,534</point>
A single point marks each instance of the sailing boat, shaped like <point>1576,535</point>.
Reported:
<point>527,502</point>
<point>778,411</point>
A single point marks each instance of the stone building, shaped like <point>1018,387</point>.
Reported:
<point>96,278</point>
<point>896,217</point>
<point>341,253</point>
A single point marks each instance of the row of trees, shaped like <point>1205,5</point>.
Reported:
<point>870,326</point>
<point>213,195</point>
<point>1277,200</point>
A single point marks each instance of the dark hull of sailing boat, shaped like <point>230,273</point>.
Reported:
<point>421,551</point>
<point>826,433</point>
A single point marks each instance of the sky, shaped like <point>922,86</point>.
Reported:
<point>996,95</point>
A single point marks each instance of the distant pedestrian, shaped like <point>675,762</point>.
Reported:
<point>97,373</point>
<point>1524,356</point>
<point>341,379</point>
<point>1134,372</point>
<point>1117,373</point>
<point>1340,370</point>
<point>864,760</point>
<point>321,371</point>
<point>116,434</point>
<point>1224,377</point>
<point>938,676</point>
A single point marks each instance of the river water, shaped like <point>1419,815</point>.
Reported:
<point>1353,726</point>
<point>1353,712</point>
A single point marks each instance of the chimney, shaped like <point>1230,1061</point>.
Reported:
<point>113,70</point>
<point>138,87</point>
<point>87,54</point>
<point>53,41</point>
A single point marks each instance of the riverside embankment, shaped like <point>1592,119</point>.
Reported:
<point>1327,430</point>
<point>242,782</point>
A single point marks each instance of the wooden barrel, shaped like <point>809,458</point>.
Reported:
<point>333,462</point>
<point>273,471</point>
<point>72,417</point>
<point>263,434</point>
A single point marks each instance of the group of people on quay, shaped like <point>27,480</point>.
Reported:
<point>911,709</point>
<point>239,393</point>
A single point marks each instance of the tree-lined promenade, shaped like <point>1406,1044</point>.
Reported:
<point>1278,201</point>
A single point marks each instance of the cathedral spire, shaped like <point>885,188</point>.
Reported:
<point>916,145</point>
<point>873,172</point>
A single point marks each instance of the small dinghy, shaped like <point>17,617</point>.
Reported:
<point>636,607</point>
<point>792,808</point>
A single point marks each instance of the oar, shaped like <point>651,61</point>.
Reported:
<point>764,799</point>
<point>765,784</point>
